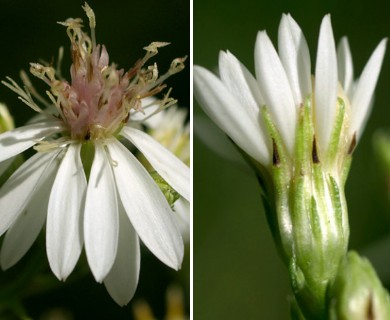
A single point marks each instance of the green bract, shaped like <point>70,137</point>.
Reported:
<point>170,194</point>
<point>310,212</point>
<point>357,292</point>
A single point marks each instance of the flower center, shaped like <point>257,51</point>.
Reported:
<point>98,101</point>
<point>100,98</point>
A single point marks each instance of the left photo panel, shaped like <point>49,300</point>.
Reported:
<point>95,155</point>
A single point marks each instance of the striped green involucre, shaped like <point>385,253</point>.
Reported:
<point>309,206</point>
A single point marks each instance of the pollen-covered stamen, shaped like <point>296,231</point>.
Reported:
<point>24,94</point>
<point>92,22</point>
<point>30,88</point>
<point>177,65</point>
<point>152,50</point>
<point>46,74</point>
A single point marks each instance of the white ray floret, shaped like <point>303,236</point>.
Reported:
<point>64,232</point>
<point>101,222</point>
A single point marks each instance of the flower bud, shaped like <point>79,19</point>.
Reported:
<point>357,292</point>
<point>6,120</point>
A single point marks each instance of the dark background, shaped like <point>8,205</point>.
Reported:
<point>237,273</point>
<point>28,33</point>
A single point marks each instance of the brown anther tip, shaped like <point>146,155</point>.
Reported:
<point>127,118</point>
<point>87,136</point>
<point>275,154</point>
<point>314,153</point>
<point>352,145</point>
<point>370,309</point>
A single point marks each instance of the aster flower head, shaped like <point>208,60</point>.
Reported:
<point>298,131</point>
<point>87,186</point>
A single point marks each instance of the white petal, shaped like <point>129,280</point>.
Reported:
<point>22,234</point>
<point>101,216</point>
<point>182,212</point>
<point>215,139</point>
<point>146,207</point>
<point>295,56</point>
<point>238,122</point>
<point>326,81</point>
<point>121,282</point>
<point>16,141</point>
<point>244,87</point>
<point>275,89</point>
<point>19,188</point>
<point>240,83</point>
<point>345,65</point>
<point>168,166</point>
<point>365,89</point>
<point>64,232</point>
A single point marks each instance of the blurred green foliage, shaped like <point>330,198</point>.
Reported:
<point>237,273</point>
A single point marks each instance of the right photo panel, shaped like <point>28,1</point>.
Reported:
<point>291,160</point>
